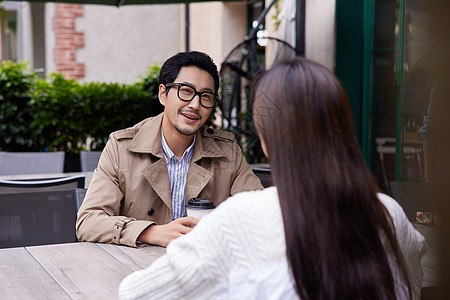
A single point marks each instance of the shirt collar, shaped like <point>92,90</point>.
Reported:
<point>168,154</point>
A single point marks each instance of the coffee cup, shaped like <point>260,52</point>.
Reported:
<point>198,207</point>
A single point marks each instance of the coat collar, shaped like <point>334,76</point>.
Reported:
<point>148,140</point>
<point>205,146</point>
<point>148,137</point>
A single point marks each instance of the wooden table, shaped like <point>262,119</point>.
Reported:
<point>70,271</point>
<point>94,271</point>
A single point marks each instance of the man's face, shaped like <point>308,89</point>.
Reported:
<point>185,117</point>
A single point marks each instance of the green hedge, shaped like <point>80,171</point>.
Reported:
<point>59,114</point>
<point>16,84</point>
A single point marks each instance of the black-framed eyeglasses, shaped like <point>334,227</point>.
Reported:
<point>187,93</point>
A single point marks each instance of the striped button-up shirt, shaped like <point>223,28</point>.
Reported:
<point>178,169</point>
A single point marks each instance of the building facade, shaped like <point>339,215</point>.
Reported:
<point>117,44</point>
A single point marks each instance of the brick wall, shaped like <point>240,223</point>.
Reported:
<point>67,40</point>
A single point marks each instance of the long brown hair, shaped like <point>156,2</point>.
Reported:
<point>340,240</point>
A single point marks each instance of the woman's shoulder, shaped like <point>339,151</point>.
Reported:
<point>404,228</point>
<point>392,206</point>
<point>258,199</point>
<point>254,213</point>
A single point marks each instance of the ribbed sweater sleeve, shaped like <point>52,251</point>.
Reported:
<point>188,267</point>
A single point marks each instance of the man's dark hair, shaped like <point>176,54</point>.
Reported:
<point>171,67</point>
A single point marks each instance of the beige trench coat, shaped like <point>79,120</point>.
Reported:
<point>130,189</point>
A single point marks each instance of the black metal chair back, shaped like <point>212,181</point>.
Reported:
<point>38,212</point>
<point>79,194</point>
<point>264,175</point>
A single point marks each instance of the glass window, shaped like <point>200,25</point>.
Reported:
<point>384,90</point>
<point>12,29</point>
<point>416,88</point>
<point>399,92</point>
<point>10,25</point>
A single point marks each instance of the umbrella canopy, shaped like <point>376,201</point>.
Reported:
<point>123,2</point>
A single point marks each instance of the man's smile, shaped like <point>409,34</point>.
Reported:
<point>191,116</point>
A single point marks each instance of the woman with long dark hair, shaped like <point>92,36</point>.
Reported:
<point>323,231</point>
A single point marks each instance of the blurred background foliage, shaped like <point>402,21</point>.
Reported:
<point>56,114</point>
<point>17,82</point>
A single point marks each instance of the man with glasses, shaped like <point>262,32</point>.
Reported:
<point>147,173</point>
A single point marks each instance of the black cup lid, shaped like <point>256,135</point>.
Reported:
<point>200,203</point>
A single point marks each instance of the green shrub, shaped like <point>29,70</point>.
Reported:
<point>150,82</point>
<point>110,107</point>
<point>17,81</point>
<point>60,114</point>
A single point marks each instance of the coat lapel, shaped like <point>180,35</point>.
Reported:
<point>148,140</point>
<point>197,179</point>
<point>158,177</point>
<point>206,147</point>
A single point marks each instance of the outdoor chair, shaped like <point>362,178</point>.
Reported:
<point>79,194</point>
<point>15,163</point>
<point>264,175</point>
<point>412,197</point>
<point>38,212</point>
<point>89,160</point>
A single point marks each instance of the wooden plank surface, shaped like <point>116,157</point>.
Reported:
<point>22,277</point>
<point>83,270</point>
<point>135,258</point>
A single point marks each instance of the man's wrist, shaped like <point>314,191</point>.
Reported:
<point>145,235</point>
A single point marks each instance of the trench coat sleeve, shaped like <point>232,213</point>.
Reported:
<point>98,219</point>
<point>245,179</point>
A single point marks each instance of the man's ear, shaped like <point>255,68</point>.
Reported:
<point>162,94</point>
<point>264,146</point>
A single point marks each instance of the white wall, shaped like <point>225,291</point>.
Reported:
<point>320,32</point>
<point>217,27</point>
<point>234,27</point>
<point>206,29</point>
<point>49,38</point>
<point>121,43</point>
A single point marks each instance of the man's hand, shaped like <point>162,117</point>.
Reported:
<point>162,235</point>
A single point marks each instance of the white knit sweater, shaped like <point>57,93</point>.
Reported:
<point>238,252</point>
